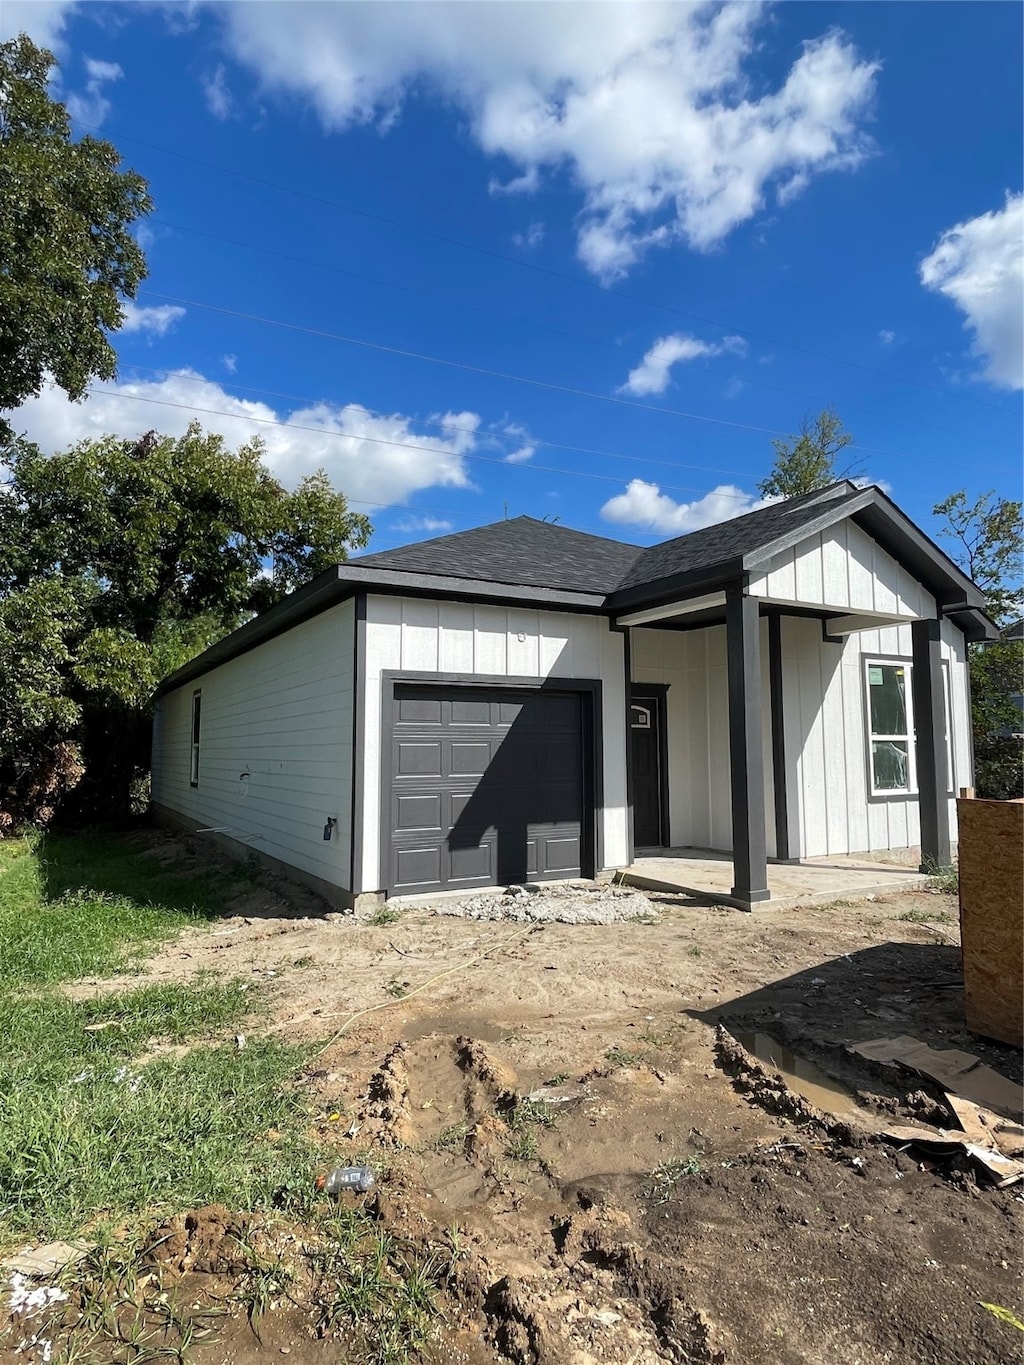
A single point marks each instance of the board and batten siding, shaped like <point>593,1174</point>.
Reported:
<point>843,567</point>
<point>282,713</point>
<point>827,739</point>
<point>692,664</point>
<point>415,635</point>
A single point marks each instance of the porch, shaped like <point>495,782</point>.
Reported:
<point>710,875</point>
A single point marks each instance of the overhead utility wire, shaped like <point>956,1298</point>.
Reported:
<point>523,437</point>
<point>449,301</point>
<point>533,266</point>
<point>466,367</point>
<point>385,441</point>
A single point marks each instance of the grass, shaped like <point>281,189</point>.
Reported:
<point>384,914</point>
<point>119,1109</point>
<point>84,906</point>
<point>624,1056</point>
<point>925,917</point>
<point>523,1119</point>
<point>668,1174</point>
<point>945,879</point>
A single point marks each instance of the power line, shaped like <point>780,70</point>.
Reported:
<point>385,441</point>
<point>466,367</point>
<point>522,437</point>
<point>448,301</point>
<point>548,271</point>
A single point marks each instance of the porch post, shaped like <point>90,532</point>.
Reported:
<point>930,728</point>
<point>746,760</point>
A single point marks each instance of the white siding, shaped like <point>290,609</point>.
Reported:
<point>825,707</point>
<point>830,807</point>
<point>283,713</point>
<point>416,636</point>
<point>693,665</point>
<point>843,568</point>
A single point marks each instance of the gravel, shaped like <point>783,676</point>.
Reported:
<point>571,904</point>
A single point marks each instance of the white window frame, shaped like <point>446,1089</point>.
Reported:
<point>882,793</point>
<point>195,727</point>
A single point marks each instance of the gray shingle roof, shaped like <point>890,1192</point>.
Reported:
<point>728,540</point>
<point>522,550</point>
<point>545,555</point>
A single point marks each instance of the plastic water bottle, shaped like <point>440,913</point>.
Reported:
<point>359,1179</point>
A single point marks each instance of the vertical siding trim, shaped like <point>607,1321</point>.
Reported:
<point>627,673</point>
<point>776,697</point>
<point>358,748</point>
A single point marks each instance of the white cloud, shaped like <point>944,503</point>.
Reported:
<point>42,20</point>
<point>219,99</point>
<point>527,446</point>
<point>371,457</point>
<point>644,504</point>
<point>433,526</point>
<point>520,456</point>
<point>158,320</point>
<point>230,362</point>
<point>886,337</point>
<point>979,264</point>
<point>649,108</point>
<point>652,374</point>
<point>533,236</point>
<point>91,106</point>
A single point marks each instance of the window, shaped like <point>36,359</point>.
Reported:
<point>891,727</point>
<point>890,718</point>
<point>197,707</point>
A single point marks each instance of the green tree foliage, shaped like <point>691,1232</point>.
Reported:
<point>807,461</point>
<point>67,256</point>
<point>120,560</point>
<point>987,541</point>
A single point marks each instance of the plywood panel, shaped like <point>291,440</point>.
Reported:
<point>991,849</point>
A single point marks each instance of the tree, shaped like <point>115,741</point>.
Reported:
<point>988,543</point>
<point>120,560</point>
<point>67,257</point>
<point>808,461</point>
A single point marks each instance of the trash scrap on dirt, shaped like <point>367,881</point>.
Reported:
<point>571,904</point>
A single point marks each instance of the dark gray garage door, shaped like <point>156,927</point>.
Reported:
<point>487,787</point>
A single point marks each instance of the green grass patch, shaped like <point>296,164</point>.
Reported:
<point>96,1122</point>
<point>91,905</point>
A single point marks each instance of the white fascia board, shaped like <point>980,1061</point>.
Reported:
<point>671,609</point>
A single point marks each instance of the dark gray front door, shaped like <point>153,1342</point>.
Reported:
<point>648,779</point>
<point>487,787</point>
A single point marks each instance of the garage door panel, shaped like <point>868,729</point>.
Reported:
<point>488,787</point>
<point>469,757</point>
<point>418,758</point>
<point>418,710</point>
<point>417,811</point>
<point>418,866</point>
<point>466,712</point>
<point>474,863</point>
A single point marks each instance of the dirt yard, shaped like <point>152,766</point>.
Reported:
<point>661,1197</point>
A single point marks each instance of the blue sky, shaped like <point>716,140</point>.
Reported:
<point>689,226</point>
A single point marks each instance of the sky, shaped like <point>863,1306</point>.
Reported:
<point>578,261</point>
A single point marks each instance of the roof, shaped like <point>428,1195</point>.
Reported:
<point>729,540</point>
<point>541,563</point>
<point>522,550</point>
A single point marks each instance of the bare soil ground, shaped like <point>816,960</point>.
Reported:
<point>680,1203</point>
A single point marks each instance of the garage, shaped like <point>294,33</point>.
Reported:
<point>488,787</point>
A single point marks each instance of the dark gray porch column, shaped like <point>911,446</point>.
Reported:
<point>930,727</point>
<point>746,759</point>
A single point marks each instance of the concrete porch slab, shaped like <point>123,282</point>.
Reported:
<point>813,881</point>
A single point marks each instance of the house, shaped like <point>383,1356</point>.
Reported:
<point>528,702</point>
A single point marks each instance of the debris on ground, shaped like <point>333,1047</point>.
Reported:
<point>955,1070</point>
<point>571,904</point>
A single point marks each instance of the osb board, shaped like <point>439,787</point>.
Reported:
<point>991,855</point>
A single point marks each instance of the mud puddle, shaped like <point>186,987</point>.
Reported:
<point>449,1024</point>
<point>800,1075</point>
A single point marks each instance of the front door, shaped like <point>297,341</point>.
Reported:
<point>645,720</point>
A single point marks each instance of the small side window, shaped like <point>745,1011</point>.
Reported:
<point>891,727</point>
<point>197,712</point>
